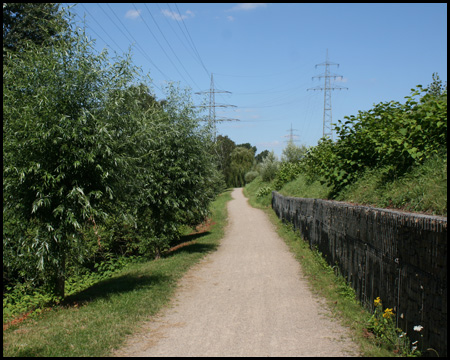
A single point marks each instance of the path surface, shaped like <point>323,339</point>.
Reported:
<point>248,298</point>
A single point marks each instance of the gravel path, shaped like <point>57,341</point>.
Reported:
<point>248,298</point>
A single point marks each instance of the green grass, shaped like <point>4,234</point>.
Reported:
<point>324,281</point>
<point>423,189</point>
<point>252,188</point>
<point>301,188</point>
<point>96,321</point>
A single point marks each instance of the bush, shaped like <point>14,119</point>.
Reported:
<point>269,167</point>
<point>287,172</point>
<point>83,145</point>
<point>391,134</point>
<point>263,191</point>
<point>250,176</point>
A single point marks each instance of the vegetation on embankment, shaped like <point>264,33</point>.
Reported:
<point>95,321</point>
<point>423,189</point>
<point>391,156</point>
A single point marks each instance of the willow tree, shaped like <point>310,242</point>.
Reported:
<point>61,147</point>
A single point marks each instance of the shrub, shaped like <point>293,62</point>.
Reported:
<point>269,167</point>
<point>287,172</point>
<point>263,191</point>
<point>250,176</point>
<point>390,134</point>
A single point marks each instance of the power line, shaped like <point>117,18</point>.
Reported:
<point>142,51</point>
<point>151,32</point>
<point>190,50</point>
<point>327,130</point>
<point>101,27</point>
<point>192,41</point>
<point>154,20</point>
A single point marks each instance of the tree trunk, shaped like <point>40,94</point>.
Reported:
<point>60,279</point>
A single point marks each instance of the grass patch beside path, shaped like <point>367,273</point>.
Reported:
<point>96,321</point>
<point>323,281</point>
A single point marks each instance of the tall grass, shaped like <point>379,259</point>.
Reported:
<point>96,321</point>
<point>422,189</point>
<point>300,187</point>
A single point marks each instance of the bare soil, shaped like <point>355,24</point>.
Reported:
<point>249,298</point>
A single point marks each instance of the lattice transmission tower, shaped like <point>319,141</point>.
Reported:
<point>327,115</point>
<point>291,136</point>
<point>212,119</point>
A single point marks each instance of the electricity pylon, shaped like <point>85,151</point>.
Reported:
<point>291,136</point>
<point>327,116</point>
<point>212,106</point>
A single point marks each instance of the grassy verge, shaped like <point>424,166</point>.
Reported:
<point>423,189</point>
<point>96,321</point>
<point>323,281</point>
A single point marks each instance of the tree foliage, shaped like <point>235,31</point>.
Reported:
<point>390,134</point>
<point>269,167</point>
<point>35,22</point>
<point>261,156</point>
<point>242,160</point>
<point>84,146</point>
<point>234,161</point>
<point>293,153</point>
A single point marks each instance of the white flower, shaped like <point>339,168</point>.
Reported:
<point>415,342</point>
<point>418,328</point>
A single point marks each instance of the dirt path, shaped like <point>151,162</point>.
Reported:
<point>248,298</point>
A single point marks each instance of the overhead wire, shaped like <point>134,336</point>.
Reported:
<point>101,27</point>
<point>164,51</point>
<point>192,41</point>
<point>98,35</point>
<point>142,51</point>
<point>190,51</point>
<point>272,102</point>
<point>162,33</point>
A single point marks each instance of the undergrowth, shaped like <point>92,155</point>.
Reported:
<point>25,298</point>
<point>94,321</point>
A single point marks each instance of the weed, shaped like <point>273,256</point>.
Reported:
<point>381,324</point>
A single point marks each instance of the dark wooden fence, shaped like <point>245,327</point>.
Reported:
<point>400,257</point>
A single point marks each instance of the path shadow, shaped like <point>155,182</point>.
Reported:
<point>131,282</point>
<point>116,285</point>
<point>189,244</point>
<point>190,237</point>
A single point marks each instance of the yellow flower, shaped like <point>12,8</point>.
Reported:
<point>377,301</point>
<point>388,313</point>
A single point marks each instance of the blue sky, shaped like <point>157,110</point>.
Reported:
<point>265,56</point>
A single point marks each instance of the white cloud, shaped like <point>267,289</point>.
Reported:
<point>133,14</point>
<point>175,16</point>
<point>230,18</point>
<point>341,79</point>
<point>270,144</point>
<point>247,6</point>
